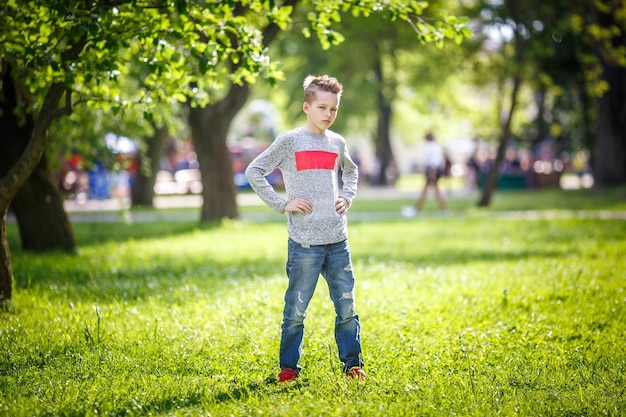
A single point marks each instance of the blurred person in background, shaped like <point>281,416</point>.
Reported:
<point>434,170</point>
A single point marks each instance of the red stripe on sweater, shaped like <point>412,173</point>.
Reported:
<point>315,160</point>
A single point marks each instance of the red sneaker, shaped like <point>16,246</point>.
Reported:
<point>357,373</point>
<point>287,375</point>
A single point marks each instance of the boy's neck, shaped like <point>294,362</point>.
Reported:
<point>313,130</point>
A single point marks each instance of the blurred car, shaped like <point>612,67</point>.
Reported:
<point>184,181</point>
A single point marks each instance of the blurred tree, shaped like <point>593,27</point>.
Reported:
<point>605,30</point>
<point>569,54</point>
<point>396,67</point>
<point>580,67</point>
<point>505,61</point>
<point>82,133</point>
<point>148,161</point>
<point>369,79</point>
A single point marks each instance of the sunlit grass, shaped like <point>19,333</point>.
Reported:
<point>467,315</point>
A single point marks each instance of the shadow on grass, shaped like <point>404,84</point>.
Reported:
<point>94,233</point>
<point>143,261</point>
<point>133,406</point>
<point>243,393</point>
<point>455,257</point>
<point>198,398</point>
<point>98,233</point>
<point>164,278</point>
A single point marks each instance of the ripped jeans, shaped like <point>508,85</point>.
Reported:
<point>304,265</point>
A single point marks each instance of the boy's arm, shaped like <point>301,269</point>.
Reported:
<point>256,174</point>
<point>349,176</point>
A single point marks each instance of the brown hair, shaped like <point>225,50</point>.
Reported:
<point>314,83</point>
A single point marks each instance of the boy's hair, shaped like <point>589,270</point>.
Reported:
<point>314,83</point>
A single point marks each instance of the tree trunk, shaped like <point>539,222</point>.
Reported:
<point>610,153</point>
<point>38,205</point>
<point>494,172</point>
<point>384,152</point>
<point>14,176</point>
<point>142,190</point>
<point>383,143</point>
<point>41,217</point>
<point>18,174</point>
<point>209,128</point>
<point>609,159</point>
<point>6,270</point>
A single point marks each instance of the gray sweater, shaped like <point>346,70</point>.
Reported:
<point>309,164</point>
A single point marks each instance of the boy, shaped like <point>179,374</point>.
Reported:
<point>309,158</point>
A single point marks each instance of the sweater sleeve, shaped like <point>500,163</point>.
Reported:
<point>260,168</point>
<point>349,175</point>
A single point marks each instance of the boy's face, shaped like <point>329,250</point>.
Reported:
<point>321,112</point>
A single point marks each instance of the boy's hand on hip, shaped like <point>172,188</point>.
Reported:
<point>341,205</point>
<point>299,205</point>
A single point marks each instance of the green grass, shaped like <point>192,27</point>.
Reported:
<point>477,314</point>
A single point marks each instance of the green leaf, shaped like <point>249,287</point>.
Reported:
<point>180,97</point>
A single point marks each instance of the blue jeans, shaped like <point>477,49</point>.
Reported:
<point>304,266</point>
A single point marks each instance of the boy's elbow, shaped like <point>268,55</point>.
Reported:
<point>249,172</point>
<point>254,176</point>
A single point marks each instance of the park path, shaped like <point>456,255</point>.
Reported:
<point>113,210</point>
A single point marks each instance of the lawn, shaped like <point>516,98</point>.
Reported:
<point>488,311</point>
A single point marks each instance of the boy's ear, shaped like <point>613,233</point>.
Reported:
<point>305,106</point>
